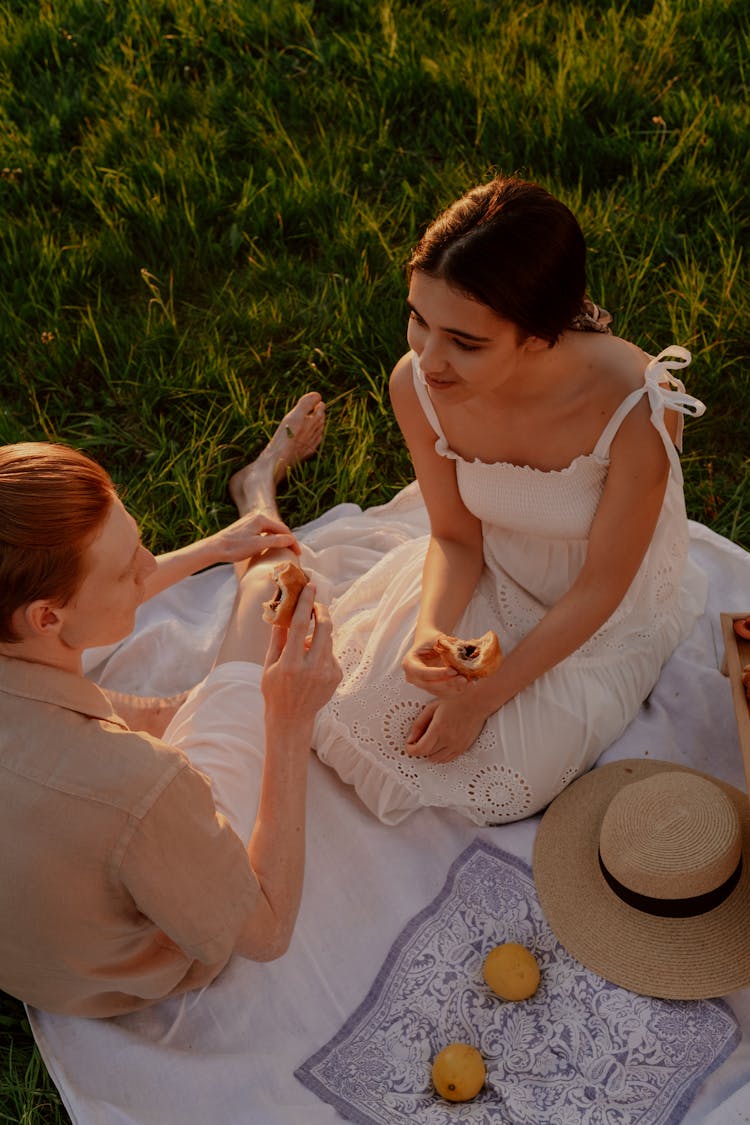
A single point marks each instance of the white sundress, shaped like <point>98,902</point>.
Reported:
<point>535,525</point>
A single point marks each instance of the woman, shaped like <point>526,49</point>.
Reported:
<point>544,449</point>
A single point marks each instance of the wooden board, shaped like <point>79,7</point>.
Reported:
<point>736,656</point>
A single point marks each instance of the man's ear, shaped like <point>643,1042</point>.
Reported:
<point>40,619</point>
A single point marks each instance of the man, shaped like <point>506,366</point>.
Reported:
<point>122,882</point>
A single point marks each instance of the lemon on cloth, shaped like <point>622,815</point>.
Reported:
<point>458,1072</point>
<point>511,971</point>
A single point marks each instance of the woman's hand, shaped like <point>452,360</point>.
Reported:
<point>250,536</point>
<point>424,668</point>
<point>446,729</point>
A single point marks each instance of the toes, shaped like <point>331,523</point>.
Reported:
<point>303,425</point>
<point>296,438</point>
<point>305,406</point>
<point>309,400</point>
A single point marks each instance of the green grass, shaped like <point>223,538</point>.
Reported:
<point>206,207</point>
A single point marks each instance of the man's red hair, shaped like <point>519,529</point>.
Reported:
<point>53,502</point>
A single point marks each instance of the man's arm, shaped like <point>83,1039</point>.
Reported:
<point>244,539</point>
<point>299,677</point>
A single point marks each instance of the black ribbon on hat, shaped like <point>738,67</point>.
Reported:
<point>674,907</point>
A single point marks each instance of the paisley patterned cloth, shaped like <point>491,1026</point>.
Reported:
<point>581,1051</point>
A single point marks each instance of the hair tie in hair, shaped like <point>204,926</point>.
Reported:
<point>591,318</point>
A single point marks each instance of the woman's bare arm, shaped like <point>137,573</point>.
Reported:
<point>455,557</point>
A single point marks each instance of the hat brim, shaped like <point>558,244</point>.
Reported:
<point>670,958</point>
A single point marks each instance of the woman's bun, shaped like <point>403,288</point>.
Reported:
<point>474,659</point>
<point>291,581</point>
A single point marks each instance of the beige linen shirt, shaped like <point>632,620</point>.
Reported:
<point>120,883</point>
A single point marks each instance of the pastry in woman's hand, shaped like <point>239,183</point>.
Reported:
<point>474,658</point>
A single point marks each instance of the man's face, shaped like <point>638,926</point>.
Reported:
<point>116,564</point>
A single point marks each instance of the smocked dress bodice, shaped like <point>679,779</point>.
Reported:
<point>561,503</point>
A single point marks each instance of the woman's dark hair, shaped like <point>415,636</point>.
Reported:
<point>514,247</point>
<point>53,503</point>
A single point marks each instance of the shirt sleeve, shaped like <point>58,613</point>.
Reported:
<point>188,872</point>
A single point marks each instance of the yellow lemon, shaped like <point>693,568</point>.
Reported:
<point>511,971</point>
<point>458,1072</point>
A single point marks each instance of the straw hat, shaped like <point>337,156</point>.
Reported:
<point>643,872</point>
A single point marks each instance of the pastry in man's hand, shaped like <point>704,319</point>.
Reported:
<point>290,582</point>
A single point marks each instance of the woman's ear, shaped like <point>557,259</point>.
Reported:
<point>536,344</point>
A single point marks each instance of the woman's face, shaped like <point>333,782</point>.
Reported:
<point>464,348</point>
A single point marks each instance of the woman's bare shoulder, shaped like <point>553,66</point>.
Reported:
<point>629,360</point>
<point>612,363</point>
<point>401,383</point>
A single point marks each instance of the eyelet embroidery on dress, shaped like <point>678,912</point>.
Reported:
<point>379,725</point>
<point>499,793</point>
<point>379,734</point>
<point>505,604</point>
<point>397,721</point>
<point>350,659</point>
<point>663,587</point>
<point>568,775</point>
<point>395,756</point>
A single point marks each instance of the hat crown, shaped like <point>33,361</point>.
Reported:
<point>672,835</point>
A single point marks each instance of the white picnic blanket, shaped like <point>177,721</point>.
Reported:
<point>383,965</point>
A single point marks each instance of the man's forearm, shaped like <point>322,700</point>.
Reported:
<point>176,565</point>
<point>277,845</point>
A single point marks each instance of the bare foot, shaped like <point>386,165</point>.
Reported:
<point>150,713</point>
<point>297,437</point>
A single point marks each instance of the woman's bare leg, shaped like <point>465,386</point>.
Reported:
<point>253,489</point>
<point>297,437</point>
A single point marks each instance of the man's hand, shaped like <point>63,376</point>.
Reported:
<point>301,673</point>
<point>249,537</point>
